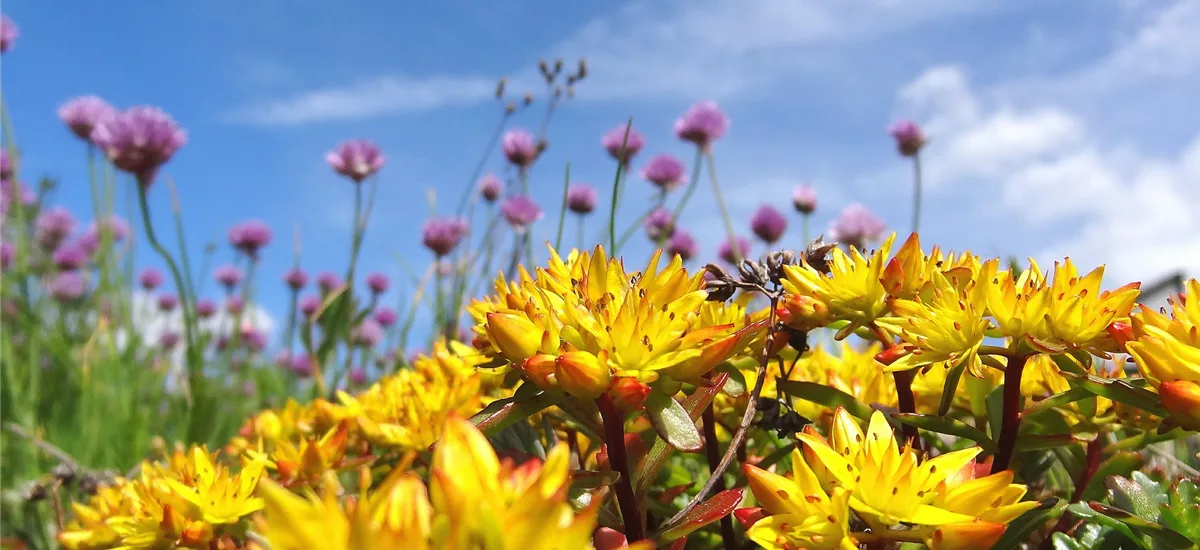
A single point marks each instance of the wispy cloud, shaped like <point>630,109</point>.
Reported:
<point>367,98</point>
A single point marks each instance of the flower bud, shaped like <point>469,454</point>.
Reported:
<point>515,336</point>
<point>582,374</point>
<point>1182,399</point>
<point>629,393</point>
<point>965,536</point>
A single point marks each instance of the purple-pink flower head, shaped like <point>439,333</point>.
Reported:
<point>442,235</point>
<point>358,376</point>
<point>82,114</point>
<point>6,167</point>
<point>385,316</point>
<point>249,237</point>
<point>725,249</point>
<point>490,187</point>
<point>768,224</point>
<point>67,286</point>
<point>70,257</point>
<point>665,171</point>
<point>52,226</point>
<point>205,308</point>
<point>114,226</point>
<point>682,244</point>
<point>150,278</point>
<point>139,141</point>
<point>357,159</point>
<point>702,124</point>
<point>228,276</point>
<point>520,147</point>
<point>167,302</point>
<point>660,224</point>
<point>168,340</point>
<point>8,33</point>
<point>6,254</point>
<point>283,358</point>
<point>303,365</point>
<point>804,198</point>
<point>378,283</point>
<point>581,198</point>
<point>295,278</point>
<point>367,333</point>
<point>856,226</point>
<point>308,305</point>
<point>621,148</point>
<point>255,340</point>
<point>327,281</point>
<point>235,304</point>
<point>521,211</point>
<point>908,136</point>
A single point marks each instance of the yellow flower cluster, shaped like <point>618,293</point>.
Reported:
<point>473,502</point>
<point>190,502</point>
<point>900,496</point>
<point>1167,352</point>
<point>585,324</point>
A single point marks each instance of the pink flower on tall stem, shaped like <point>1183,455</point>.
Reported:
<point>378,283</point>
<point>581,198</point>
<point>295,278</point>
<point>725,249</point>
<point>167,302</point>
<point>249,237</point>
<point>768,224</point>
<point>804,198</point>
<point>442,235</point>
<point>682,244</point>
<point>660,224</point>
<point>328,280</point>
<point>82,114</point>
<point>228,276</point>
<point>205,308</point>
<point>909,137</point>
<point>521,211</point>
<point>8,33</point>
<point>357,159</point>
<point>615,140</point>
<point>856,226</point>
<point>702,124</point>
<point>150,278</point>
<point>520,147</point>
<point>139,141</point>
<point>665,171</point>
<point>385,316</point>
<point>490,187</point>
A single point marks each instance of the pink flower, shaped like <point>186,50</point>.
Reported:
<point>357,159</point>
<point>615,139</point>
<point>908,136</point>
<point>702,124</point>
<point>520,147</point>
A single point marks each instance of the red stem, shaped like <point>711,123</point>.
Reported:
<point>908,403</point>
<point>1011,417</point>
<point>712,451</point>
<point>614,438</point>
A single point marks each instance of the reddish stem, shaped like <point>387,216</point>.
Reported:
<point>1095,450</point>
<point>1011,417</point>
<point>618,459</point>
<point>908,402</point>
<point>712,451</point>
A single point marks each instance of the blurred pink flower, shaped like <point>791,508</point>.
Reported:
<point>139,141</point>
<point>768,224</point>
<point>520,147</point>
<point>581,198</point>
<point>908,136</point>
<point>804,198</point>
<point>856,226</point>
<point>702,124</point>
<point>665,171</point>
<point>614,139</point>
<point>442,235</point>
<point>82,114</point>
<point>357,159</point>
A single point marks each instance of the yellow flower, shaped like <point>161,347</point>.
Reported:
<point>1167,353</point>
<point>888,485</point>
<point>605,324</point>
<point>799,512</point>
<point>217,495</point>
<point>854,371</point>
<point>946,324</point>
<point>852,291</point>
<point>1078,313</point>
<point>90,530</point>
<point>482,504</point>
<point>1018,303</point>
<point>308,462</point>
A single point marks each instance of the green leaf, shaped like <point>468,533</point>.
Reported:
<point>672,422</point>
<point>1118,390</point>
<point>1130,495</point>
<point>1019,529</point>
<point>1142,526</point>
<point>995,409</point>
<point>713,509</point>
<point>1038,442</point>
<point>1119,464</point>
<point>949,426</point>
<point>1084,510</point>
<point>735,386</point>
<point>694,404</point>
<point>1055,401</point>
<point>827,396</point>
<point>591,479</point>
<point>1070,363</point>
<point>1183,513</point>
<point>508,411</point>
<point>951,387</point>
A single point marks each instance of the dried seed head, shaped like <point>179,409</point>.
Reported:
<point>528,98</point>
<point>35,492</point>
<point>500,84</point>
<point>582,73</point>
<point>720,290</point>
<point>817,255</point>
<point>64,472</point>
<point>510,108</point>
<point>558,66</point>
<point>753,273</point>
<point>544,68</point>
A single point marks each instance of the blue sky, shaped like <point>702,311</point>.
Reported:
<point>1058,128</point>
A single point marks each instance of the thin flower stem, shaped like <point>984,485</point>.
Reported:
<point>662,199</point>
<point>738,253</point>
<point>692,183</point>
<point>579,233</point>
<point>916,224</point>
<point>614,436</point>
<point>562,213</point>
<point>195,372</point>
<point>712,452</point>
<point>616,194</point>
<point>177,211</point>
<point>291,324</point>
<point>743,427</point>
<point>468,196</point>
<point>1011,415</point>
<point>805,225</point>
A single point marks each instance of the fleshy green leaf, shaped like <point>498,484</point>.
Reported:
<point>590,479</point>
<point>995,410</point>
<point>1142,526</point>
<point>672,422</point>
<point>827,396</point>
<point>505,412</point>
<point>1038,442</point>
<point>1118,390</point>
<point>951,387</point>
<point>1183,513</point>
<point>1055,401</point>
<point>694,404</point>
<point>1019,529</point>
<point>713,509</point>
<point>1119,464</point>
<point>1084,510</point>
<point>735,386</point>
<point>949,426</point>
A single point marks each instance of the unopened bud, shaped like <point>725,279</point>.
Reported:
<point>500,84</point>
<point>558,65</point>
<point>528,98</point>
<point>34,492</point>
<point>583,71</point>
<point>510,108</point>
<point>544,68</point>
<point>64,472</point>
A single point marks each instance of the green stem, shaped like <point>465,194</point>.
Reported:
<point>916,224</point>
<point>469,196</point>
<point>183,253</point>
<point>562,213</point>
<point>194,367</point>
<point>691,189</point>
<point>662,199</point>
<point>291,324</point>
<point>616,194</point>
<point>712,176</point>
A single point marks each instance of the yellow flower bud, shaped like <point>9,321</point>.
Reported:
<point>582,374</point>
<point>517,337</point>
